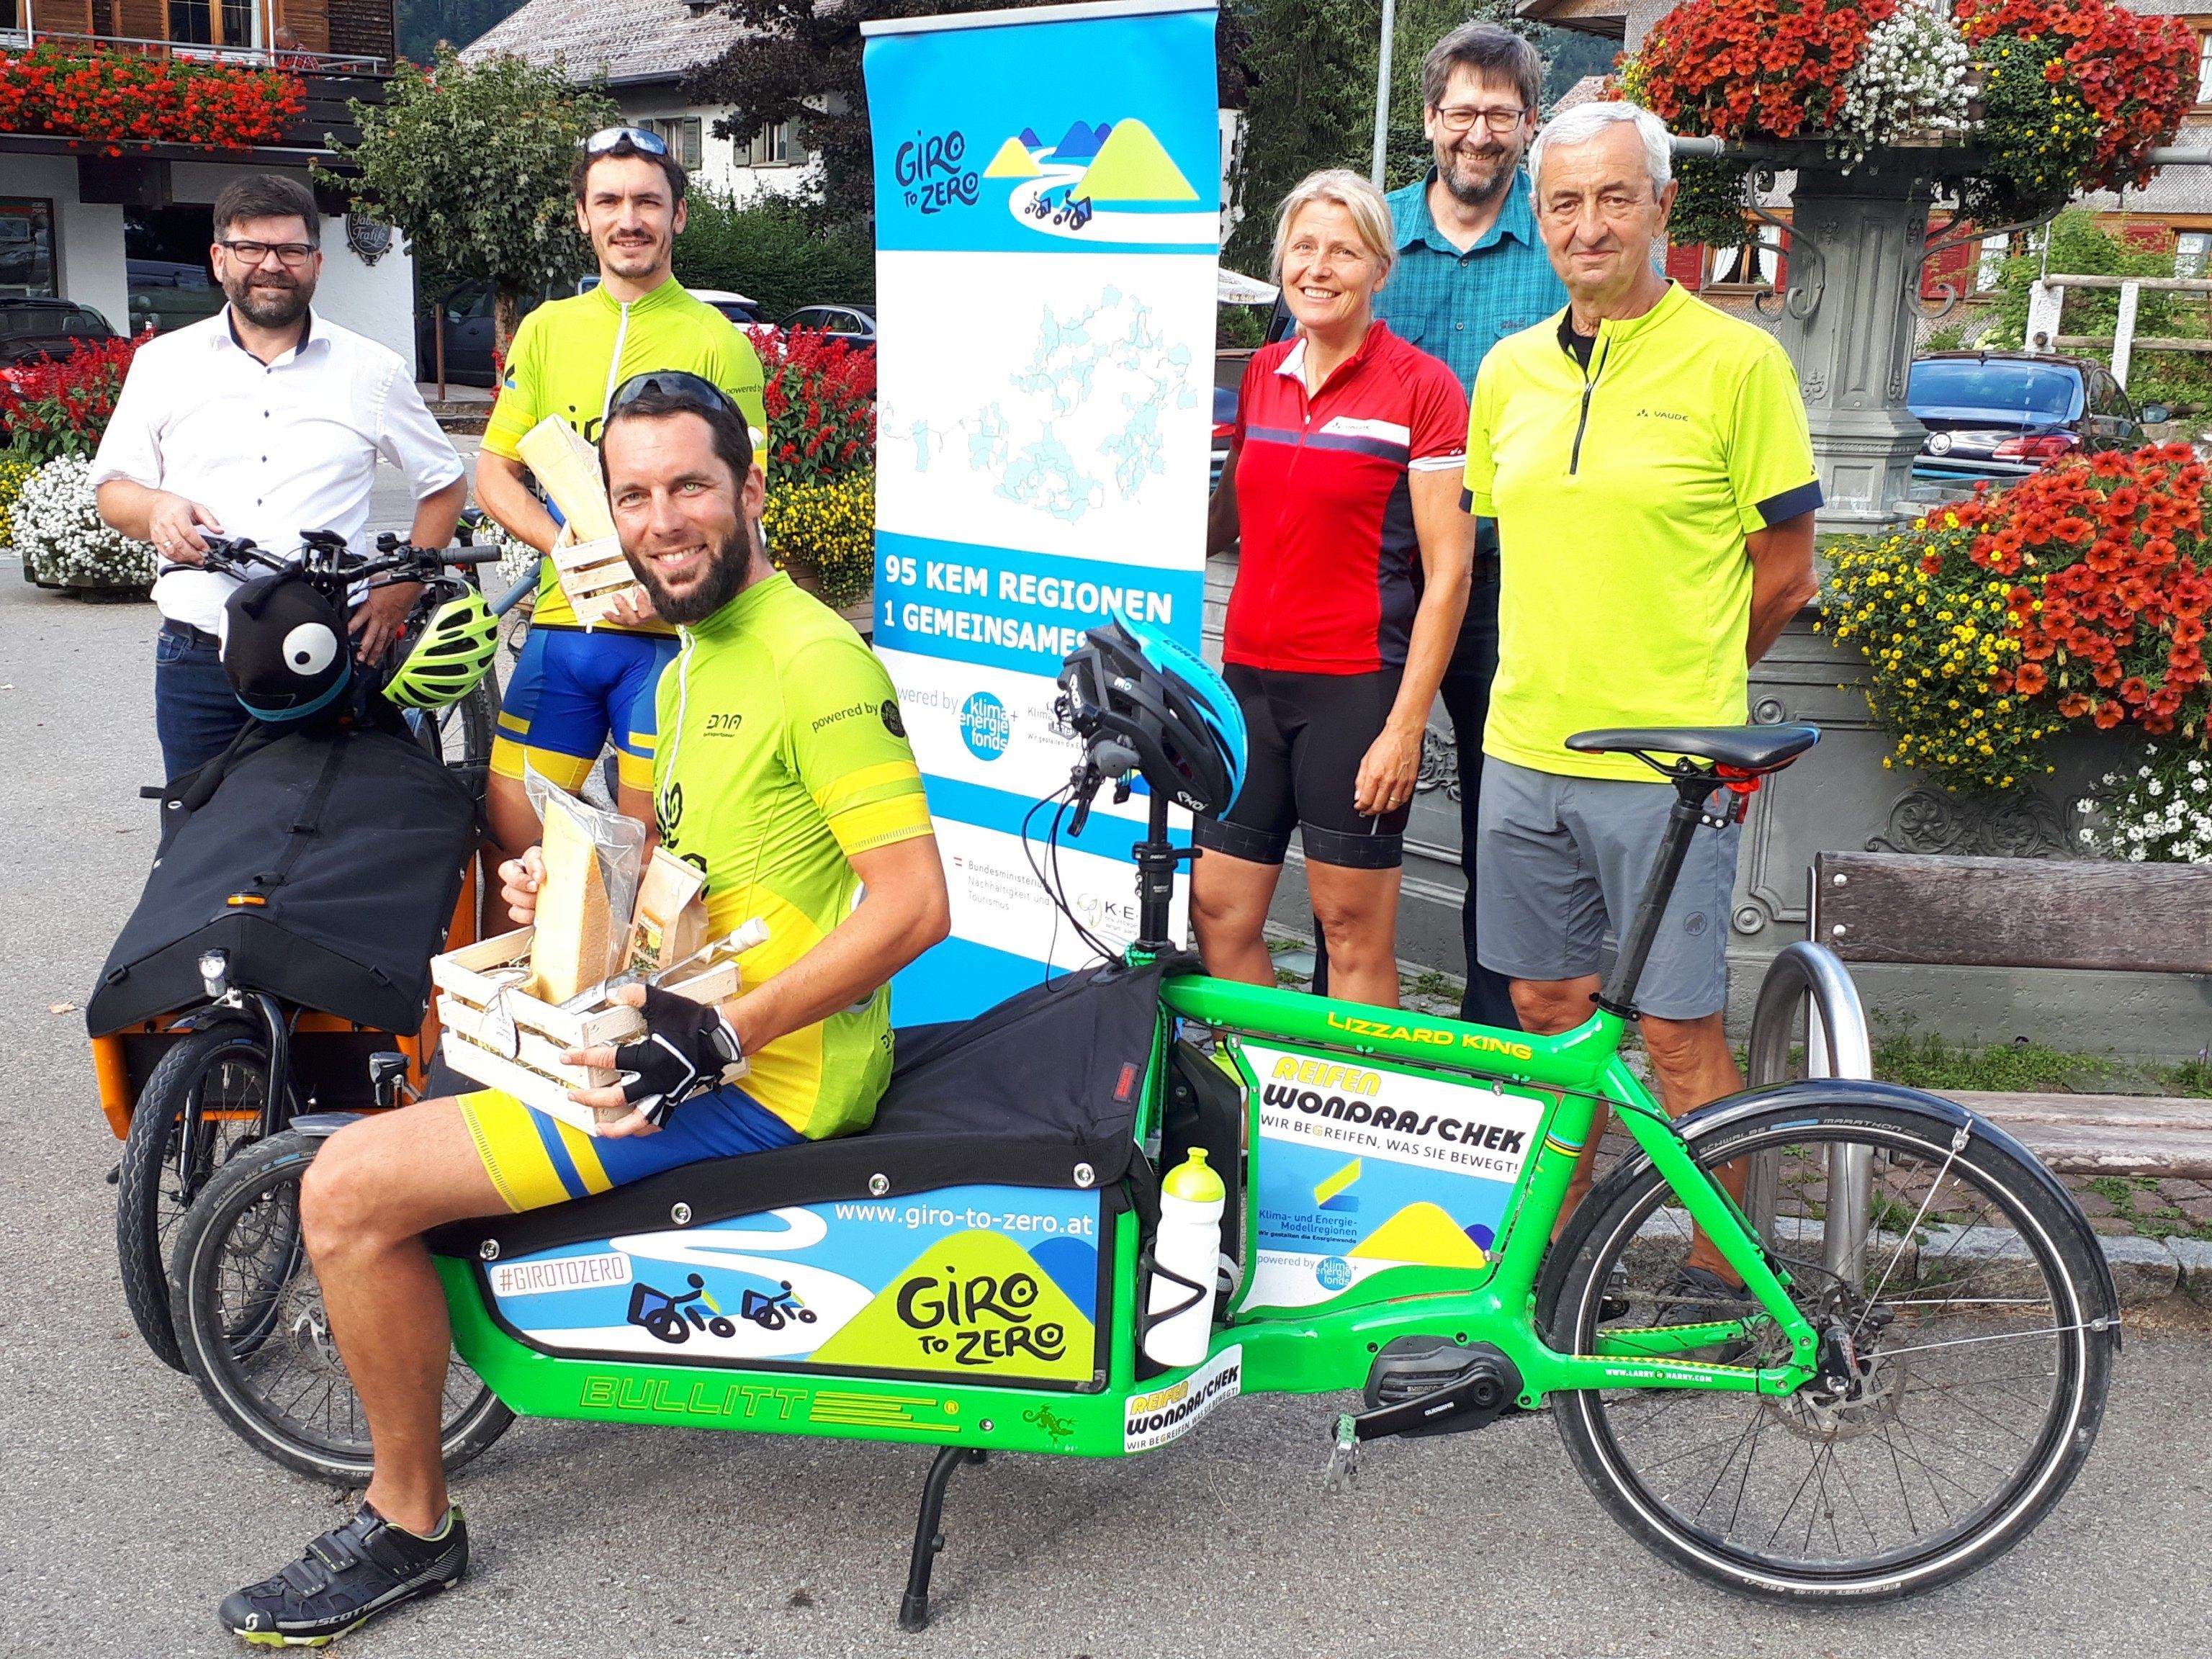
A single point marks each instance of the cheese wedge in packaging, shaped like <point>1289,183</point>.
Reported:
<point>568,470</point>
<point>576,930</point>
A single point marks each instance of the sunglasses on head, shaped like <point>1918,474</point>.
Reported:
<point>606,138</point>
<point>676,383</point>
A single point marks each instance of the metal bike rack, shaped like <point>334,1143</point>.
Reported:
<point>1836,1045</point>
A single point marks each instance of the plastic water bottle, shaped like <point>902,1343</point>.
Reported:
<point>1189,1244</point>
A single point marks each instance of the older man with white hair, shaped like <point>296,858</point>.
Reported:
<point>1648,462</point>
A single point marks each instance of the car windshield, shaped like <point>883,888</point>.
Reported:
<point>48,322</point>
<point>1958,385</point>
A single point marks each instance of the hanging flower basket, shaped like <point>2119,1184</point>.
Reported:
<point>2040,98</point>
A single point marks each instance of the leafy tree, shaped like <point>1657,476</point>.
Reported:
<point>471,161</point>
<point>772,252</point>
<point>801,63</point>
<point>424,23</point>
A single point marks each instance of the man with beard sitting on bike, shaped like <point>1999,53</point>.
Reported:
<point>784,771</point>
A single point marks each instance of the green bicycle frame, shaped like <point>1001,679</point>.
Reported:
<point>1274,1351</point>
<point>1578,1071</point>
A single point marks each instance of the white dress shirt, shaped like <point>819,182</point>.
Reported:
<point>270,449</point>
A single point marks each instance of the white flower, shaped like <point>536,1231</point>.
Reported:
<point>1911,76</point>
<point>60,533</point>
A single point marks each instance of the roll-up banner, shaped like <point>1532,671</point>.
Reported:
<point>1048,212</point>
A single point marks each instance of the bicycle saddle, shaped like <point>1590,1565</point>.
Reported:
<point>1740,748</point>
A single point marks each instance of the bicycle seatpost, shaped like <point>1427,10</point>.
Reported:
<point>1618,994</point>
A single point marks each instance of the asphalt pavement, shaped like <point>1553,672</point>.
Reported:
<point>127,1511</point>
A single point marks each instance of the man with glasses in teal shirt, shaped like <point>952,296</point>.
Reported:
<point>1470,270</point>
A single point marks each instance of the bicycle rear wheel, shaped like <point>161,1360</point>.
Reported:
<point>249,1317</point>
<point>1980,1322</point>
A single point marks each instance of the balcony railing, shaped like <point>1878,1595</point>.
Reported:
<point>292,58</point>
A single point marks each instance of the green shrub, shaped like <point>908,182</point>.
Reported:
<point>773,254</point>
<point>1240,328</point>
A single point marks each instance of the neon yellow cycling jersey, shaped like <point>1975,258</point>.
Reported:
<point>568,356</point>
<point>781,756</point>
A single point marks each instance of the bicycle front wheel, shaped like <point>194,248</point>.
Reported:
<point>249,1316</point>
<point>218,1081</point>
<point>1978,1323</point>
<point>461,734</point>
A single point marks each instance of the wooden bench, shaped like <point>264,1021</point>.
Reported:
<point>2031,913</point>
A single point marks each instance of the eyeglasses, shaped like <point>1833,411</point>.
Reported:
<point>648,144</point>
<point>294,254</point>
<point>677,384</point>
<point>1461,117</point>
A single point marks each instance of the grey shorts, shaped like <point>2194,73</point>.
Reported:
<point>1561,861</point>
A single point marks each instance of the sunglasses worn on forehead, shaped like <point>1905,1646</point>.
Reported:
<point>649,143</point>
<point>675,383</point>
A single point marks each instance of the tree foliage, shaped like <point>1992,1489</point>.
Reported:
<point>773,252</point>
<point>471,161</point>
<point>801,64</point>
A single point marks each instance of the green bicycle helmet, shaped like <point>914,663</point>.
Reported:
<point>448,657</point>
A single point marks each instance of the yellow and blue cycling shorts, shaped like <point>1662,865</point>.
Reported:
<point>573,689</point>
<point>534,1160</point>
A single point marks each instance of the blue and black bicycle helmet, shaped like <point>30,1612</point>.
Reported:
<point>1130,683</point>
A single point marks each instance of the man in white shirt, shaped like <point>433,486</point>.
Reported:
<point>263,422</point>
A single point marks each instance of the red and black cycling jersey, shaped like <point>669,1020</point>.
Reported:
<point>1326,582</point>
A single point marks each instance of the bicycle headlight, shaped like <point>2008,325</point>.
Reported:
<point>214,973</point>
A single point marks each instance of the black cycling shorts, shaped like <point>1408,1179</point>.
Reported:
<point>1306,735</point>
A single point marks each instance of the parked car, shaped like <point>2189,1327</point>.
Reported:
<point>855,325</point>
<point>170,294</point>
<point>2007,413</point>
<point>31,328</point>
<point>740,309</point>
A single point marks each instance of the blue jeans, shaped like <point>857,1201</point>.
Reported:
<point>196,714</point>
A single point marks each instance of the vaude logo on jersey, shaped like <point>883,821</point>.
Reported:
<point>985,726</point>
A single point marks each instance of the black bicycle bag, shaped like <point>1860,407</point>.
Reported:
<point>326,863</point>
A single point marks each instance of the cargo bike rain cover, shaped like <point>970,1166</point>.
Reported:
<point>326,863</point>
<point>966,1234</point>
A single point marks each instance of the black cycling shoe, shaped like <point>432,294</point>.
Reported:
<point>1699,1295</point>
<point>346,1579</point>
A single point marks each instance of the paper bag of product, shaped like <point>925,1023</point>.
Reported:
<point>586,897</point>
<point>669,925</point>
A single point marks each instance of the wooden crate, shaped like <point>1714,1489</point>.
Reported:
<point>595,575</point>
<point>506,1039</point>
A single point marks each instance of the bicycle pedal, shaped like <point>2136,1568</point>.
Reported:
<point>1343,1471</point>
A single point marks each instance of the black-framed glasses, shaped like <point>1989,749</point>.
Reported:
<point>678,384</point>
<point>1459,118</point>
<point>649,143</point>
<point>290,253</point>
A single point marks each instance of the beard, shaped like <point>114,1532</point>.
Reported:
<point>276,302</point>
<point>725,580</point>
<point>1474,177</point>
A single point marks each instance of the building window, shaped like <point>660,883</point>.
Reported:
<point>769,147</point>
<point>1988,271</point>
<point>2190,248</point>
<point>682,134</point>
<point>2204,68</point>
<point>1754,262</point>
<point>27,247</point>
<point>193,21</point>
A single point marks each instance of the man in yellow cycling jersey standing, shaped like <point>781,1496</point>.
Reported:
<point>574,688</point>
<point>787,777</point>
